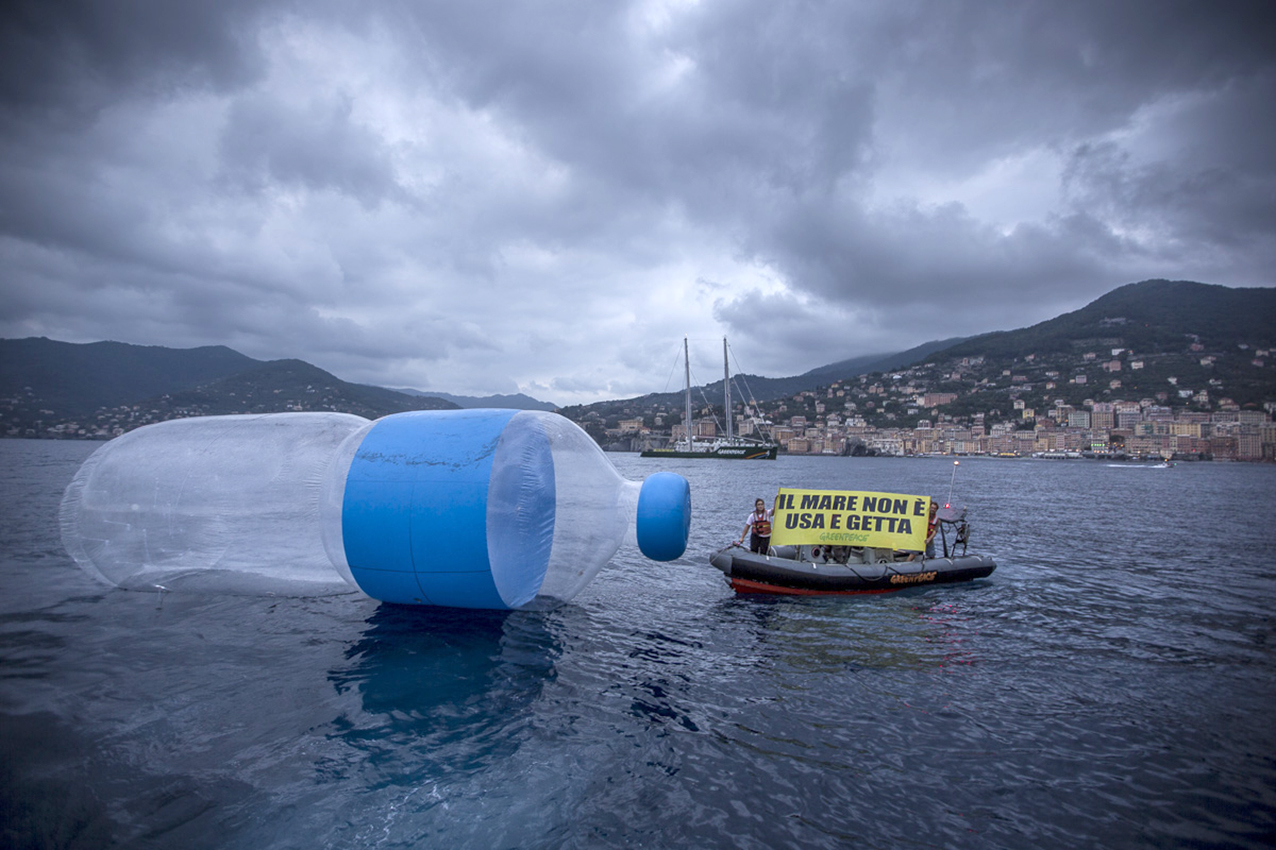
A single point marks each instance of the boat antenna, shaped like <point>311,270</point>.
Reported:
<point>951,482</point>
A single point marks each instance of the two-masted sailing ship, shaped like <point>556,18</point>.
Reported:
<point>729,447</point>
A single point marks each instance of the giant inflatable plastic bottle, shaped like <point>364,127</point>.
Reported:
<point>500,509</point>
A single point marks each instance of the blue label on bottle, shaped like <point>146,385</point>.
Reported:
<point>414,516</point>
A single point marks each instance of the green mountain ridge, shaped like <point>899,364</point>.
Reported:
<point>48,388</point>
<point>1201,335</point>
<point>1150,317</point>
<point>1182,344</point>
<point>517,401</point>
<point>282,385</point>
<point>73,379</point>
<point>769,389</point>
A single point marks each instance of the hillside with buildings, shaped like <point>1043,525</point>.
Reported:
<point>1155,369</point>
<point>1152,369</point>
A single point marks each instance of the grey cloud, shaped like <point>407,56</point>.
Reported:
<point>515,173</point>
<point>985,76</point>
<point>776,117</point>
<point>75,56</point>
<point>753,111</point>
<point>1215,186</point>
<point>315,146</point>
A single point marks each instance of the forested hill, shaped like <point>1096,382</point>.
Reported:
<point>60,389</point>
<point>1151,317</point>
<point>1185,333</point>
<point>1176,335</point>
<point>71,379</point>
<point>768,389</point>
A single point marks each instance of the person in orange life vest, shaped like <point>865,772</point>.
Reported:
<point>759,523</point>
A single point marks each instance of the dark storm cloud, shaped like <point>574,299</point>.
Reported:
<point>543,195</point>
<point>62,63</point>
<point>734,128</point>
<point>775,137</point>
<point>1215,186</point>
<point>980,81</point>
<point>63,56</point>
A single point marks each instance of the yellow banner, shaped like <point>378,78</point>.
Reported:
<point>849,518</point>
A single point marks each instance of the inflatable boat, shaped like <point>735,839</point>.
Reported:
<point>821,569</point>
<point>783,571</point>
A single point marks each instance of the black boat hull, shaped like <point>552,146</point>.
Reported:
<point>749,572</point>
<point>721,453</point>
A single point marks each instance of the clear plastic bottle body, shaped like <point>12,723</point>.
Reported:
<point>594,508</point>
<point>225,503</point>
<point>466,508</point>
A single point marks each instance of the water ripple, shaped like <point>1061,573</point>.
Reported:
<point>1109,685</point>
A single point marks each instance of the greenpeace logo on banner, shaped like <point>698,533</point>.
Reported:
<point>850,518</point>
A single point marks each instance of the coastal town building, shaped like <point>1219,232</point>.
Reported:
<point>1151,433</point>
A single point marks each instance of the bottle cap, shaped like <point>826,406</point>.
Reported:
<point>664,516</point>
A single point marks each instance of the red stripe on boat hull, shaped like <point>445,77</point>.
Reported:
<point>744,585</point>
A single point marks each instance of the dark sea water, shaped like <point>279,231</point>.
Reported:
<point>1112,684</point>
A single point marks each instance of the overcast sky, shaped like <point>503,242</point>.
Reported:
<point>546,197</point>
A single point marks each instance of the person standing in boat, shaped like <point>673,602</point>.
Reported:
<point>759,526</point>
<point>932,527</point>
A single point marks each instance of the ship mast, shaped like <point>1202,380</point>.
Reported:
<point>726,387</point>
<point>686,359</point>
